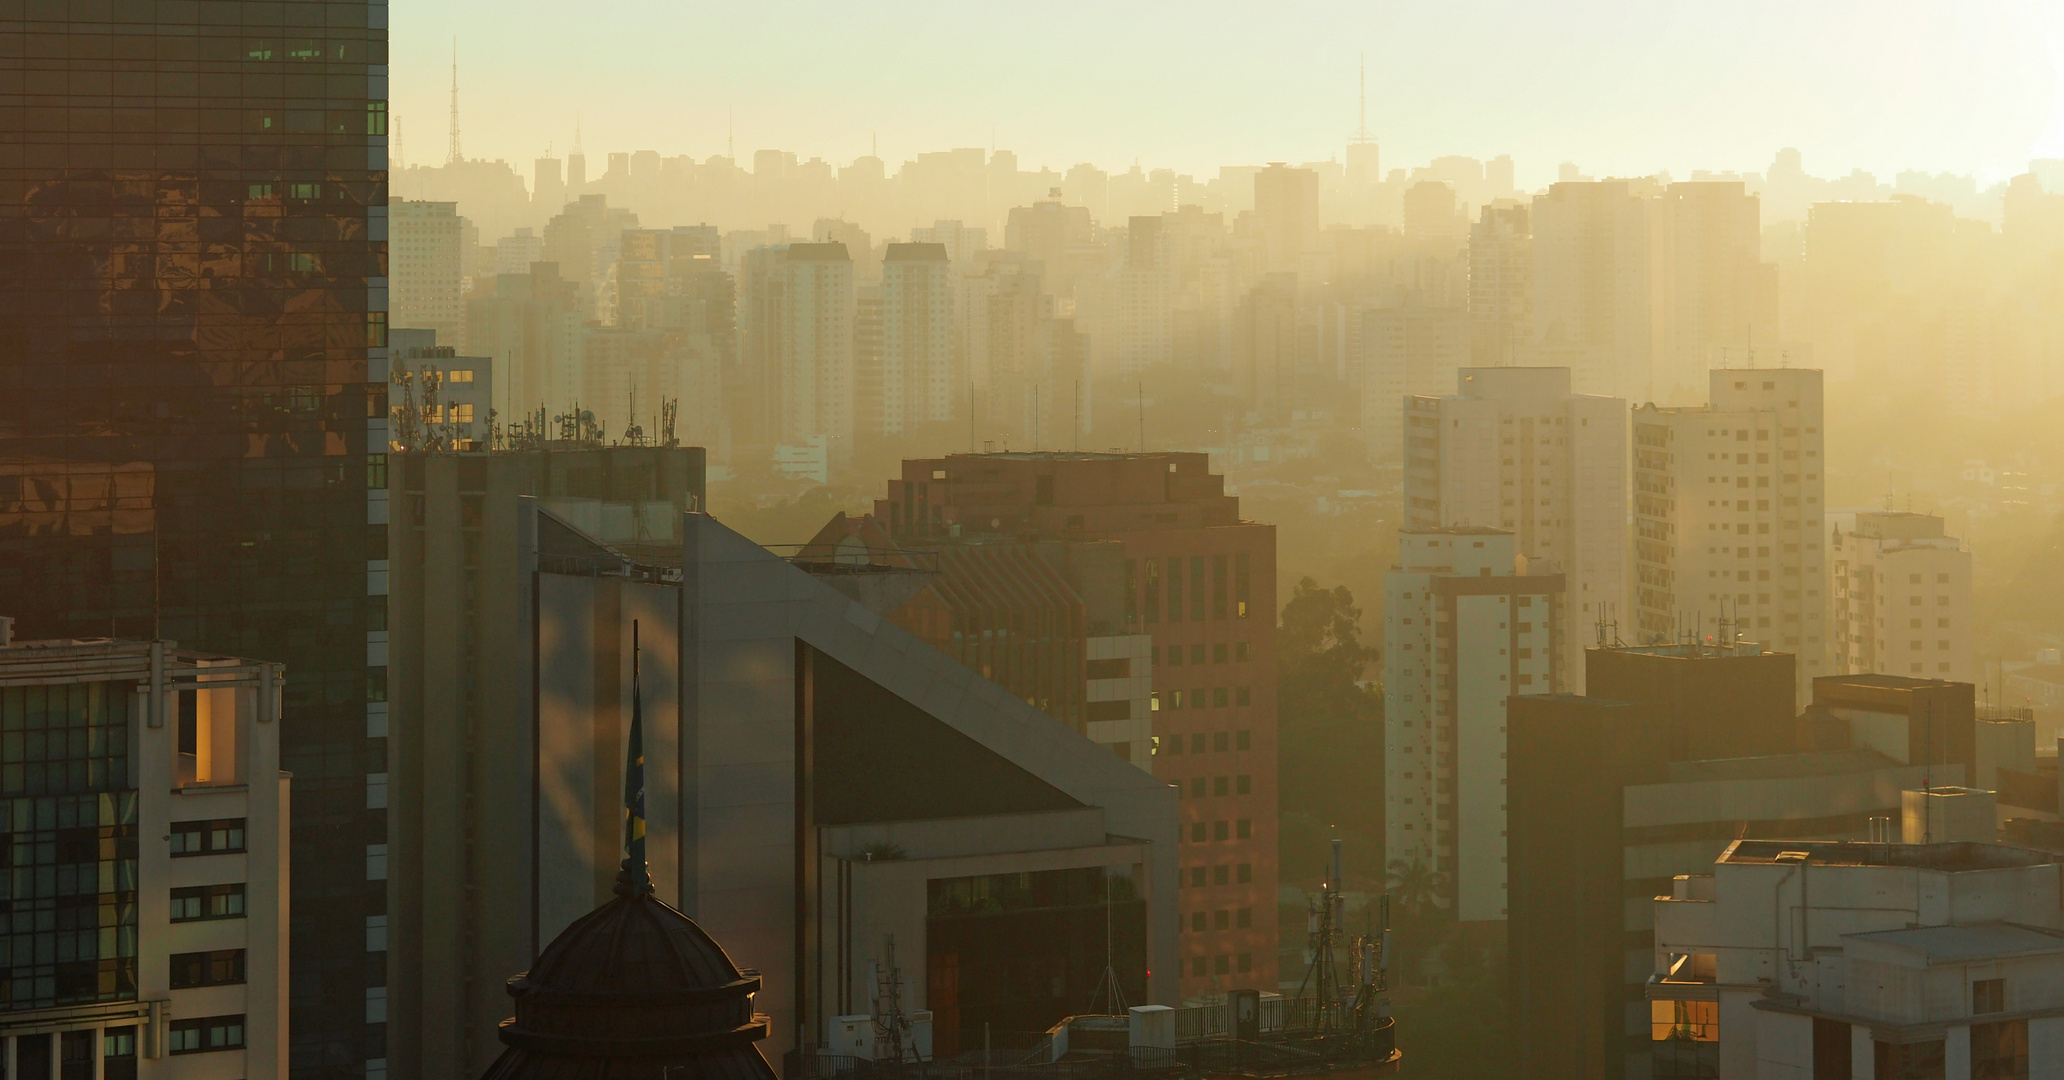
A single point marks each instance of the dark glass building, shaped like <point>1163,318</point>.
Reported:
<point>192,298</point>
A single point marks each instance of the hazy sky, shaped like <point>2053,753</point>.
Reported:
<point>1966,86</point>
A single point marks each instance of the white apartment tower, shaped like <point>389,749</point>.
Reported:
<point>1715,296</point>
<point>424,279</point>
<point>1902,597</point>
<point>1462,632</point>
<point>1514,449</point>
<point>143,792</point>
<point>917,358</point>
<point>1729,516</point>
<point>814,355</point>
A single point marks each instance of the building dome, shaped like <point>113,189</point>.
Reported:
<point>634,990</point>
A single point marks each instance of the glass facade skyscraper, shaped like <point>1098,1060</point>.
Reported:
<point>192,331</point>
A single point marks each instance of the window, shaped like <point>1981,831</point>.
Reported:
<point>1240,652</point>
<point>1197,922</point>
<point>1999,1051</point>
<point>376,118</point>
<point>1988,996</point>
<point>1196,877</point>
<point>208,902</point>
<point>1175,588</point>
<point>1218,654</point>
<point>203,1034</point>
<point>1220,741</point>
<point>1245,830</point>
<point>1108,669</point>
<point>1240,583</point>
<point>1219,875</point>
<point>1908,1061</point>
<point>1197,833</point>
<point>1243,918</point>
<point>221,967</point>
<point>207,837</point>
<point>1246,872</point>
<point>1244,784</point>
<point>1243,740</point>
<point>1241,696</point>
<point>118,1053</point>
<point>1221,785</point>
<point>75,1055</point>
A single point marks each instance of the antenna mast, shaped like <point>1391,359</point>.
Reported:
<point>1361,133</point>
<point>453,156</point>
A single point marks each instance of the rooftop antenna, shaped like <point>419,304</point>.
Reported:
<point>1361,134</point>
<point>454,155</point>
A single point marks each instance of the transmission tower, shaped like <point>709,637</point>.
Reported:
<point>454,155</point>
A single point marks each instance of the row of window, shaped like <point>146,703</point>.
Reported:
<point>1221,741</point>
<point>1222,874</point>
<point>221,836</point>
<point>1208,581</point>
<point>1205,831</point>
<point>1222,964</point>
<point>1222,919</point>
<point>1218,785</point>
<point>1201,697</point>
<point>1172,656</point>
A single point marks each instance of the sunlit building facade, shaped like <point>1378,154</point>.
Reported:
<point>192,288</point>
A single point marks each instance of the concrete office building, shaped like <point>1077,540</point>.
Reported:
<point>1514,449</point>
<point>1462,633</point>
<point>1199,581</point>
<point>1902,597</point>
<point>425,282</point>
<point>1730,519</point>
<point>819,783</point>
<point>1143,322</point>
<point>515,253</point>
<point>147,818</point>
<point>919,383</point>
<point>1925,960</point>
<point>1593,296</point>
<point>1601,822</point>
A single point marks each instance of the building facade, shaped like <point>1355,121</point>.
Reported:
<point>148,822</point>
<point>1200,583</point>
<point>1928,960</point>
<point>192,402</point>
<point>1593,297</point>
<point>1902,597</point>
<point>1462,633</point>
<point>1730,519</point>
<point>426,286</point>
<point>919,384</point>
<point>1514,449</point>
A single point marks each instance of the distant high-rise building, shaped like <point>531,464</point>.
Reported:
<point>1406,351</point>
<point>1902,597</point>
<point>423,267</point>
<point>530,324</point>
<point>547,186</point>
<point>1462,633</point>
<point>1051,234</point>
<point>1431,214</point>
<point>1715,296</point>
<point>1286,205</point>
<point>919,383</point>
<point>1514,449</point>
<point>1264,346</point>
<point>1142,319</point>
<point>960,241</point>
<point>514,254</point>
<point>582,239</point>
<point>797,334</point>
<point>1592,287</point>
<point>1501,285</point>
<point>1729,516</point>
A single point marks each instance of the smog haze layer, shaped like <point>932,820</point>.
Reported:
<point>1620,88</point>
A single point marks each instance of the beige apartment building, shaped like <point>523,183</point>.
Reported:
<point>1902,597</point>
<point>1730,518</point>
<point>1512,448</point>
<point>425,281</point>
<point>147,818</point>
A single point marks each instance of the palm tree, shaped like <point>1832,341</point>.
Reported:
<point>1415,884</point>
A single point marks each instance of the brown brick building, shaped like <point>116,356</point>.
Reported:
<point>1200,583</point>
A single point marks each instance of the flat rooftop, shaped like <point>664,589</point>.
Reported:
<point>1693,651</point>
<point>1976,941</point>
<point>1952,858</point>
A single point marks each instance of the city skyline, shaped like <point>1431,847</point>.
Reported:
<point>1881,92</point>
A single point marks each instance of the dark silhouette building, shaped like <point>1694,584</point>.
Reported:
<point>634,990</point>
<point>1731,701</point>
<point>192,397</point>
